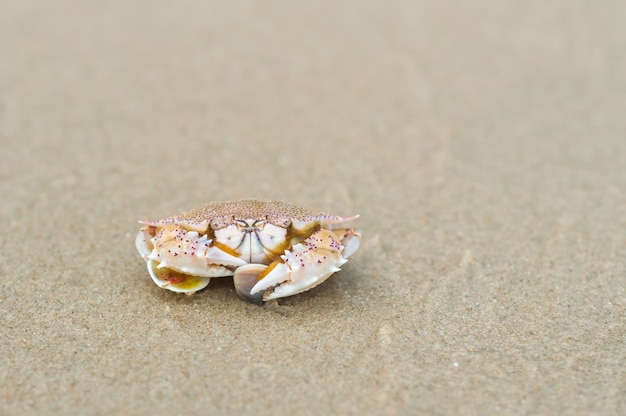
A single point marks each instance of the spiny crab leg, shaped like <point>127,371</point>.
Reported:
<point>303,267</point>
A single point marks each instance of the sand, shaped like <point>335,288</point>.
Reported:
<point>482,143</point>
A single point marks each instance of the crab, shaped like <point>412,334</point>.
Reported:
<point>273,249</point>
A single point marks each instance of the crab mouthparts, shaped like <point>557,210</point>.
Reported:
<point>251,247</point>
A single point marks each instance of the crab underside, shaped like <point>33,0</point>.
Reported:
<point>272,249</point>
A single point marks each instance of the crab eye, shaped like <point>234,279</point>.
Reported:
<point>216,224</point>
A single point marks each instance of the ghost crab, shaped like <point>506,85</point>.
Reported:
<point>272,249</point>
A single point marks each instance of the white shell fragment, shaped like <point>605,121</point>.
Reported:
<point>273,249</point>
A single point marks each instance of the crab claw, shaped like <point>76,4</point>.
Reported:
<point>186,252</point>
<point>307,265</point>
<point>351,241</point>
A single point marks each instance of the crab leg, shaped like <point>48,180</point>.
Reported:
<point>303,267</point>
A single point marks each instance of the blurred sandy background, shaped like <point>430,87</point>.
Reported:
<point>482,142</point>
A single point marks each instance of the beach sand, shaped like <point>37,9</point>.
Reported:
<point>482,143</point>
